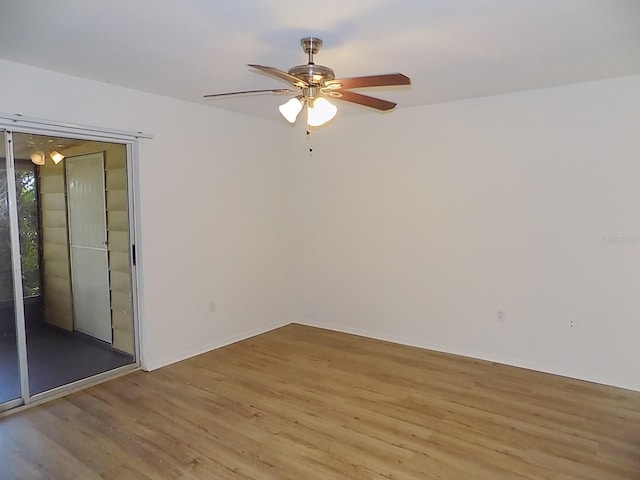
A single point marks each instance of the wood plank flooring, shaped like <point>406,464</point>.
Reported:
<point>302,403</point>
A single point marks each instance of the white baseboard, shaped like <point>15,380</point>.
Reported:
<point>168,360</point>
<point>539,367</point>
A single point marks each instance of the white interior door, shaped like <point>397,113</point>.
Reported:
<point>88,245</point>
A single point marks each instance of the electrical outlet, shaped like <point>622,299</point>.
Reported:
<point>501,315</point>
<point>572,325</point>
<point>212,307</point>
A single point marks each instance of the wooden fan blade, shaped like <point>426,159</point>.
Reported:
<point>371,81</point>
<point>365,100</point>
<point>279,74</point>
<point>270,90</point>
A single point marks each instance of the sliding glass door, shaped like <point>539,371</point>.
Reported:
<point>67,298</point>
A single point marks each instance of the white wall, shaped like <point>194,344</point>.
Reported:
<point>213,206</point>
<point>414,226</point>
<point>419,225</point>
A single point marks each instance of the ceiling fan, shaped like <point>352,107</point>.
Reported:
<point>313,84</point>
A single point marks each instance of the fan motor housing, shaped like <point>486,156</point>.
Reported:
<point>312,73</point>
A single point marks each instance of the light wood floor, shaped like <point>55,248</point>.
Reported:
<point>303,404</point>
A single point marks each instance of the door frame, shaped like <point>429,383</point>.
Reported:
<point>10,124</point>
<point>16,268</point>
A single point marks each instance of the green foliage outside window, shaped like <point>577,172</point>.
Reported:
<point>6,280</point>
<point>29,236</point>
<point>29,233</point>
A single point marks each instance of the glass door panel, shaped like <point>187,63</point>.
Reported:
<point>9,364</point>
<point>74,232</point>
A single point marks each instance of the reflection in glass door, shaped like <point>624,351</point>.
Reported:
<point>73,249</point>
<point>10,378</point>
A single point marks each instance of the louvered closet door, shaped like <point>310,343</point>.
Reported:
<point>88,245</point>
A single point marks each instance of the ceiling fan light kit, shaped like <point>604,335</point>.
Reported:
<point>291,109</point>
<point>314,83</point>
<point>320,111</point>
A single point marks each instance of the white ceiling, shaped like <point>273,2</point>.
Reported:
<point>451,49</point>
